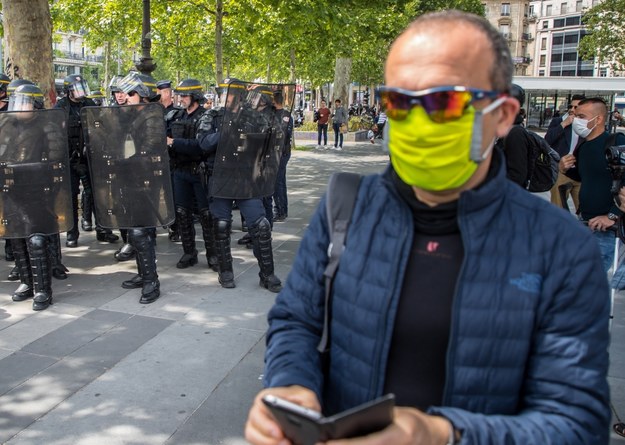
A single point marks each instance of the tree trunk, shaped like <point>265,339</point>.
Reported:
<point>342,76</point>
<point>219,64</point>
<point>28,43</point>
<point>292,66</point>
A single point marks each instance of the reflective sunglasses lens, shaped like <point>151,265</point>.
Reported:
<point>445,106</point>
<point>396,105</point>
<point>441,107</point>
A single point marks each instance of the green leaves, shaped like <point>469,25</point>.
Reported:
<point>259,36</point>
<point>606,40</point>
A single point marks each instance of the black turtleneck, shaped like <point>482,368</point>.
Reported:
<point>415,370</point>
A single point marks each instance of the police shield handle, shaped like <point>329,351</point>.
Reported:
<point>567,162</point>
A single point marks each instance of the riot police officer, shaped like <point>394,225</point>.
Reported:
<point>247,114</point>
<point>118,97</point>
<point>35,256</point>
<point>59,271</point>
<point>142,89</point>
<point>76,92</point>
<point>4,83</point>
<point>189,171</point>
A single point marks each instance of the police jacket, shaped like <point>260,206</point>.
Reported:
<point>74,125</point>
<point>209,133</point>
<point>185,148</point>
<point>527,356</point>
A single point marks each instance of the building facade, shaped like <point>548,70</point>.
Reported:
<point>71,56</point>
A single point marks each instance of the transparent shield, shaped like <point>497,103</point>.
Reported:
<point>129,165</point>
<point>34,174</point>
<point>251,142</point>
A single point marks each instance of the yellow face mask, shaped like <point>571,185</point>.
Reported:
<point>437,156</point>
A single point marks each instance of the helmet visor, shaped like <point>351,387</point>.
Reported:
<point>79,89</point>
<point>23,102</point>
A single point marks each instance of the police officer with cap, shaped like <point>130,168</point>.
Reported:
<point>167,97</point>
<point>189,173</point>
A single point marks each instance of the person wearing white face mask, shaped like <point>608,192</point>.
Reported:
<point>589,165</point>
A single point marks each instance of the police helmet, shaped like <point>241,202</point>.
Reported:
<point>133,83</point>
<point>4,82</point>
<point>150,82</point>
<point>113,87</point>
<point>77,86</point>
<point>190,87</point>
<point>26,97</point>
<point>12,86</point>
<point>518,93</point>
<point>97,97</point>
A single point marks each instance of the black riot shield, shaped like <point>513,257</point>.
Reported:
<point>129,165</point>
<point>250,143</point>
<point>34,173</point>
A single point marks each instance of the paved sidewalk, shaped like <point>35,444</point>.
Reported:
<point>99,368</point>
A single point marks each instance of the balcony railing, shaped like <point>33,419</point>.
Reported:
<point>78,56</point>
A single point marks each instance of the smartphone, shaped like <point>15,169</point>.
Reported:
<point>304,426</point>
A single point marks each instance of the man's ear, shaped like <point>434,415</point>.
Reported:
<point>507,113</point>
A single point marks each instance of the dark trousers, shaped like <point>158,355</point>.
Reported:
<point>322,129</point>
<point>251,209</point>
<point>188,185</point>
<point>338,136</point>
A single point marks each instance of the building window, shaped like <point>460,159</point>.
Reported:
<point>563,8</point>
<point>573,21</point>
<point>505,9</point>
<point>543,43</point>
<point>531,9</point>
<point>541,73</point>
<point>603,72</point>
<point>543,60</point>
<point>578,6</point>
<point>505,31</point>
<point>549,10</point>
<point>545,24</point>
<point>557,39</point>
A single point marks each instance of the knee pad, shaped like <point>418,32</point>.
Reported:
<point>38,241</point>
<point>223,229</point>
<point>262,226</point>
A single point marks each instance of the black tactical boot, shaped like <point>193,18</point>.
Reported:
<point>261,238</point>
<point>146,259</point>
<point>125,253</point>
<point>187,235</point>
<point>14,275</point>
<point>105,235</point>
<point>224,255</point>
<point>20,252</point>
<point>42,274</point>
<point>208,233</point>
<point>86,200</point>
<point>59,271</point>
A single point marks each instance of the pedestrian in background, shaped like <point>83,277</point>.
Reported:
<point>323,114</point>
<point>339,118</point>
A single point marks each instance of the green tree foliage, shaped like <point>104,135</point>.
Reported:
<point>264,40</point>
<point>606,40</point>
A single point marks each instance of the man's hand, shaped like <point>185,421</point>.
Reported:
<point>566,162</point>
<point>568,121</point>
<point>261,428</point>
<point>600,223</point>
<point>410,426</point>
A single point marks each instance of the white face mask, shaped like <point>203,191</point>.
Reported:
<point>580,126</point>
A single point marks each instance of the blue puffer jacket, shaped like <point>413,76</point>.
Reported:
<point>527,358</point>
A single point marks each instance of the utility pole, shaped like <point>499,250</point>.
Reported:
<point>146,64</point>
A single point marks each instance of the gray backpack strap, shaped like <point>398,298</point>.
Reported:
<point>340,202</point>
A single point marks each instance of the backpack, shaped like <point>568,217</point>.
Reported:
<point>542,165</point>
<point>340,201</point>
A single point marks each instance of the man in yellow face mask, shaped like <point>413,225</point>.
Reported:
<point>446,294</point>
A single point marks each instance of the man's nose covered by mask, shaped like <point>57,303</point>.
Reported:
<point>580,126</point>
<point>438,156</point>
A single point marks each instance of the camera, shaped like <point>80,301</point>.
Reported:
<point>615,156</point>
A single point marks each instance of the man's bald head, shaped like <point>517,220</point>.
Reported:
<point>441,23</point>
